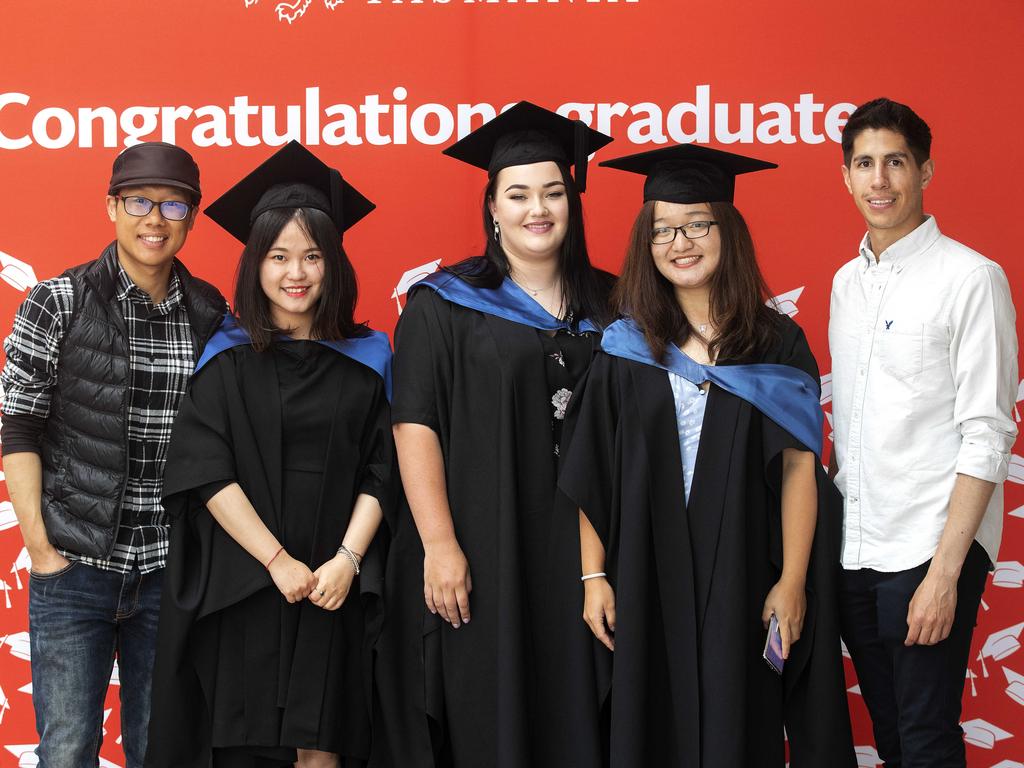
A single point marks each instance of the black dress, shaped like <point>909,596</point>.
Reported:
<point>267,676</point>
<point>499,691</point>
<point>686,685</point>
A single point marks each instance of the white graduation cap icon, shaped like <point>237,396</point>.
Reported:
<point>6,589</point>
<point>1008,764</point>
<point>826,389</point>
<point>982,733</point>
<point>785,303</point>
<point>19,645</point>
<point>26,688</point>
<point>855,689</point>
<point>867,757</point>
<point>1018,512</point>
<point>115,675</point>
<point>1015,685</point>
<point>844,649</point>
<point>1016,469</point>
<point>1008,574</point>
<point>4,704</point>
<point>972,677</point>
<point>7,517</point>
<point>26,754</point>
<point>22,563</point>
<point>16,272</point>
<point>411,277</point>
<point>1001,644</point>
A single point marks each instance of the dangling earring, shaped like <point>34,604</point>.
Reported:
<point>497,232</point>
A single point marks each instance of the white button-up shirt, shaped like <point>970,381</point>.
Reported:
<point>924,378</point>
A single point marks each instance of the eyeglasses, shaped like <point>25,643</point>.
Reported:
<point>172,210</point>
<point>691,231</point>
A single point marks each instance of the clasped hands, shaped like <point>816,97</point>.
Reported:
<point>326,587</point>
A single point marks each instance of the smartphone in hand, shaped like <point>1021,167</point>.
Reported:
<point>773,646</point>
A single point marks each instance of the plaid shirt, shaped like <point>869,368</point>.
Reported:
<point>161,359</point>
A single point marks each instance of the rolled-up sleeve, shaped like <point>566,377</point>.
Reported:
<point>33,349</point>
<point>983,357</point>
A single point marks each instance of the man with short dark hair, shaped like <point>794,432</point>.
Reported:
<point>96,364</point>
<point>924,355</point>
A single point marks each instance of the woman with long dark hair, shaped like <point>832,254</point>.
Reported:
<point>482,656</point>
<point>709,532</point>
<point>278,476</point>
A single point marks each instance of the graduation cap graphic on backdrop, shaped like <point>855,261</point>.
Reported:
<point>689,173</point>
<point>1001,644</point>
<point>1008,574</point>
<point>982,733</point>
<point>527,134</point>
<point>410,277</point>
<point>293,177</point>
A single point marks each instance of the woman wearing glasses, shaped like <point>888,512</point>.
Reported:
<point>705,516</point>
<point>277,476</point>
<point>483,654</point>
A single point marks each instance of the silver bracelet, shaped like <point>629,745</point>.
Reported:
<point>593,575</point>
<point>343,550</point>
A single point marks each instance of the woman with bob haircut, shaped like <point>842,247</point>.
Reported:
<point>483,655</point>
<point>709,532</point>
<point>278,477</point>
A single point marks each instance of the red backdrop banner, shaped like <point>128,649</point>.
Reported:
<point>378,87</point>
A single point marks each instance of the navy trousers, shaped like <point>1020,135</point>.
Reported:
<point>913,694</point>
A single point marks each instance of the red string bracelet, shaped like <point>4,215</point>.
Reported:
<point>272,559</point>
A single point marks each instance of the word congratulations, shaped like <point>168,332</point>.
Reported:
<point>374,122</point>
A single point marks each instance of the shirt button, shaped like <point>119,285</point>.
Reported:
<point>853,499</point>
<point>860,372</point>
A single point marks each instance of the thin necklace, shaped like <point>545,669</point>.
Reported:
<point>532,291</point>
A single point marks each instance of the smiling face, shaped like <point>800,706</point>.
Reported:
<point>531,208</point>
<point>687,264</point>
<point>150,241</point>
<point>291,276</point>
<point>887,185</point>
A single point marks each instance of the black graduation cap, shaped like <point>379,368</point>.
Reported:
<point>528,134</point>
<point>293,177</point>
<point>689,173</point>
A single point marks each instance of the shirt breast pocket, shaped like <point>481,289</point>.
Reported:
<point>913,349</point>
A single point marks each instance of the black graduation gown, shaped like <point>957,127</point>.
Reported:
<point>688,686</point>
<point>216,596</point>
<point>500,691</point>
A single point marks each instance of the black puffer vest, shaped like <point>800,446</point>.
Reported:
<point>85,445</point>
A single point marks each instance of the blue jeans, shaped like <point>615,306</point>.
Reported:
<point>79,618</point>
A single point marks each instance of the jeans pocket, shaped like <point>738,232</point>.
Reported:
<point>54,575</point>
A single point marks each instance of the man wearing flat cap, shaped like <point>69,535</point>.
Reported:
<point>96,364</point>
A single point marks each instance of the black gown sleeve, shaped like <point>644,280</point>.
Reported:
<point>793,350</point>
<point>589,445</point>
<point>423,361</point>
<point>201,454</point>
<point>378,446</point>
<point>816,713</point>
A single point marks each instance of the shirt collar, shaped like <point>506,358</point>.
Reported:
<point>916,242</point>
<point>127,290</point>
